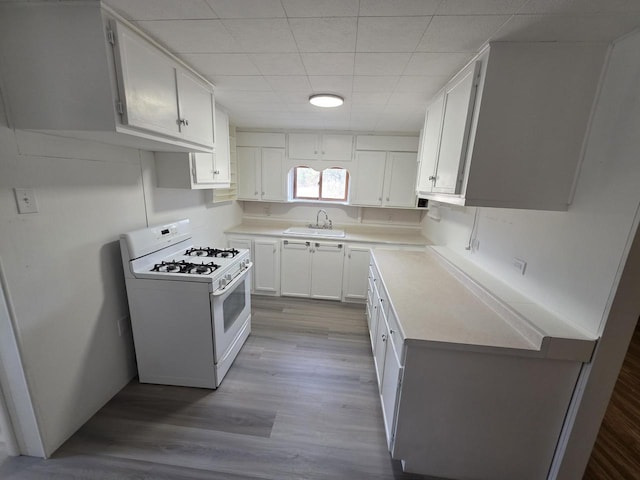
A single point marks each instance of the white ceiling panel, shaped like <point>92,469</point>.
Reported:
<point>436,63</point>
<point>385,8</point>
<point>374,83</point>
<point>321,8</point>
<point>460,33</point>
<point>211,64</point>
<point>191,36</point>
<point>163,9</point>
<point>381,63</point>
<point>479,7</point>
<point>340,84</point>
<point>279,63</point>
<point>289,83</point>
<point>262,34</point>
<point>390,34</point>
<point>334,34</point>
<point>247,8</point>
<point>386,57</point>
<point>328,63</point>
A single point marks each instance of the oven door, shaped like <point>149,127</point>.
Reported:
<point>231,308</point>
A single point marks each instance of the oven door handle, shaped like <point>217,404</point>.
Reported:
<point>238,279</point>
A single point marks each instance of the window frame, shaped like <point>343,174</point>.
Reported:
<point>320,198</point>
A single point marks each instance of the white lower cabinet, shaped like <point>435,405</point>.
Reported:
<point>312,269</point>
<point>355,277</point>
<point>265,255</point>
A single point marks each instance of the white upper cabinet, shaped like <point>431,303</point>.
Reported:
<point>512,132</point>
<point>368,181</point>
<point>311,146</point>
<point>399,178</point>
<point>198,170</point>
<point>261,174</point>
<point>125,90</point>
<point>384,179</point>
<point>430,145</point>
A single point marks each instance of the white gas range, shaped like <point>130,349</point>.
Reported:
<point>190,305</point>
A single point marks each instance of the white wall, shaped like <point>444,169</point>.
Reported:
<point>63,264</point>
<point>575,258</point>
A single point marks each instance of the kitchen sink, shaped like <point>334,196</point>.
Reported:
<point>314,232</point>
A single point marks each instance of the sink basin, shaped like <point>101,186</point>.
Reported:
<point>314,232</point>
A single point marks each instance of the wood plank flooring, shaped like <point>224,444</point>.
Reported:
<point>300,402</point>
<point>616,454</point>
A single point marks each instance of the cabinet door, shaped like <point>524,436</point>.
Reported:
<point>147,85</point>
<point>337,147</point>
<point>389,390</point>
<point>273,178</point>
<point>459,100</point>
<point>222,159</point>
<point>248,163</point>
<point>327,261</point>
<point>266,269</point>
<point>368,179</point>
<point>195,102</point>
<point>400,179</point>
<point>303,146</point>
<point>430,145</point>
<point>373,318</point>
<point>295,268</point>
<point>202,169</point>
<point>380,349</point>
<point>356,273</point>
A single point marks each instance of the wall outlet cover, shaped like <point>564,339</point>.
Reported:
<point>26,200</point>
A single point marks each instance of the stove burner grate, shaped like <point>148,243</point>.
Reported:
<point>185,267</point>
<point>211,252</point>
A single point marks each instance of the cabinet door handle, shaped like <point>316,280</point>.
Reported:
<point>379,199</point>
<point>391,332</point>
<point>255,193</point>
<point>387,199</point>
<point>217,172</point>
<point>183,121</point>
<point>384,337</point>
<point>432,178</point>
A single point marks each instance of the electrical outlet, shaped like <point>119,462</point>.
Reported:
<point>519,265</point>
<point>26,200</point>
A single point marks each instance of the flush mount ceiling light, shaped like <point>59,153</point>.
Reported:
<point>326,100</point>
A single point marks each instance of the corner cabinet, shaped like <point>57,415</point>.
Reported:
<point>198,170</point>
<point>127,90</point>
<point>508,130</point>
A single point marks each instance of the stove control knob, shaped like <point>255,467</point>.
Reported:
<point>228,277</point>
<point>223,282</point>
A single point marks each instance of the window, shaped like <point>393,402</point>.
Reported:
<point>331,184</point>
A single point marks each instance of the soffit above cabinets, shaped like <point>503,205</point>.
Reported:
<point>386,58</point>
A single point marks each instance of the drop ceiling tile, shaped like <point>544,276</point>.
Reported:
<point>385,8</point>
<point>390,34</point>
<point>279,63</point>
<point>162,9</point>
<point>479,7</point>
<point>340,84</point>
<point>328,63</point>
<point>381,63</point>
<point>262,34</point>
<point>445,64</point>
<point>374,83</point>
<point>221,63</point>
<point>321,8</point>
<point>429,84</point>
<point>289,83</point>
<point>256,83</point>
<point>460,33</point>
<point>580,6</point>
<point>191,36</point>
<point>334,34</point>
<point>247,8</point>
<point>370,98</point>
<point>407,101</point>
<point>237,98</point>
<point>567,28</point>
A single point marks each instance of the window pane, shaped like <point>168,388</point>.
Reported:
<point>334,184</point>
<point>307,183</point>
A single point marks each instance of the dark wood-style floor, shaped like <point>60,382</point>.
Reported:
<point>616,454</point>
<point>300,402</point>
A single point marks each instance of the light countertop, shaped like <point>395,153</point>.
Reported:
<point>392,235</point>
<point>454,306</point>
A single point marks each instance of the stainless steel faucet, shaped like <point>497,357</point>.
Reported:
<point>326,224</point>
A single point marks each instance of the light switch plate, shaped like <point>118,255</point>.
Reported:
<point>26,200</point>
